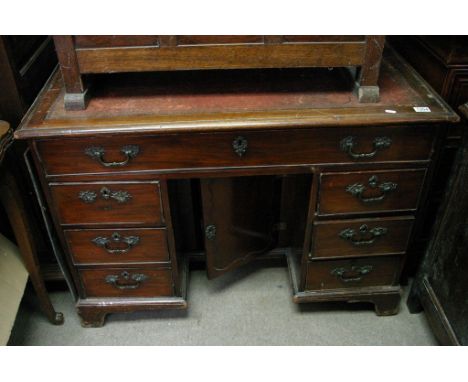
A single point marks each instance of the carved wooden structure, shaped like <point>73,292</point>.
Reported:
<point>81,55</point>
<point>25,64</point>
<point>11,199</point>
<point>441,286</point>
<point>443,62</point>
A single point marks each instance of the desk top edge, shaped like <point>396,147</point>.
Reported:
<point>36,124</point>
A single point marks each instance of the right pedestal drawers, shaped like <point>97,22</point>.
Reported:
<point>361,224</point>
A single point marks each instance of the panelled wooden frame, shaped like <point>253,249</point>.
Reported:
<point>26,62</point>
<point>440,287</point>
<point>247,164</point>
<point>81,55</point>
<point>443,62</point>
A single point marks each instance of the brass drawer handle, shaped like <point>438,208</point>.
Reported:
<point>240,144</point>
<point>104,242</point>
<point>347,145</point>
<point>98,152</point>
<point>358,190</point>
<point>210,232</point>
<point>87,196</point>
<point>367,236</point>
<point>106,194</point>
<point>357,273</point>
<point>126,281</point>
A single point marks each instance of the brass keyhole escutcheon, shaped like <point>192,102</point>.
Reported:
<point>240,144</point>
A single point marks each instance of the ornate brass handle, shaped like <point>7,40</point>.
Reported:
<point>104,242</point>
<point>106,194</point>
<point>358,189</point>
<point>240,144</point>
<point>98,152</point>
<point>347,145</point>
<point>372,235</point>
<point>129,281</point>
<point>356,272</point>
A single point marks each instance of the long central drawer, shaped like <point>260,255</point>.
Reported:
<point>236,149</point>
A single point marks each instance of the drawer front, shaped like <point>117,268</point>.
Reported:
<point>361,237</point>
<point>102,246</point>
<point>370,191</point>
<point>352,273</point>
<point>127,282</point>
<point>260,148</point>
<point>108,203</point>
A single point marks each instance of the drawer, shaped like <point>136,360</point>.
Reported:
<point>105,246</point>
<point>108,203</point>
<point>127,282</point>
<point>361,237</point>
<point>370,191</point>
<point>236,149</point>
<point>352,273</point>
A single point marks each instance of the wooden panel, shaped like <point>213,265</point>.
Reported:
<point>140,203</point>
<point>318,38</point>
<point>239,213</point>
<point>219,57</point>
<point>114,41</point>
<point>69,65</point>
<point>157,282</point>
<point>369,237</point>
<point>120,246</point>
<point>218,40</point>
<point>335,199</point>
<point>441,285</point>
<point>457,82</point>
<point>452,50</point>
<point>372,271</point>
<point>312,146</point>
<point>23,48</point>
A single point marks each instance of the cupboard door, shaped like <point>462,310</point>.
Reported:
<point>239,216</point>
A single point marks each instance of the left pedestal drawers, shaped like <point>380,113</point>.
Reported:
<point>118,232</point>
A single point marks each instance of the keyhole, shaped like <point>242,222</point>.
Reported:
<point>105,192</point>
<point>363,228</point>
<point>373,180</point>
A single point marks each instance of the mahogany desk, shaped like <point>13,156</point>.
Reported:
<point>234,167</point>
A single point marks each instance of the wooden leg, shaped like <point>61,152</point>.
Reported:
<point>387,305</point>
<point>91,317</point>
<point>75,88</point>
<point>14,207</point>
<point>368,94</point>
<point>367,85</point>
<point>76,101</point>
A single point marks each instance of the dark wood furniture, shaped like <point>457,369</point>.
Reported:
<point>81,55</point>
<point>441,285</point>
<point>443,62</point>
<point>236,168</point>
<point>26,62</point>
<point>12,200</point>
